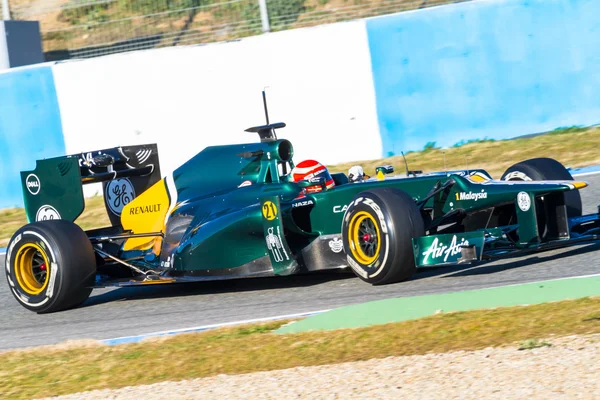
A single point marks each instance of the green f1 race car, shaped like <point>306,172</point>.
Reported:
<point>240,211</point>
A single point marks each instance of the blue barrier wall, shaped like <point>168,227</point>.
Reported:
<point>485,68</point>
<point>30,127</point>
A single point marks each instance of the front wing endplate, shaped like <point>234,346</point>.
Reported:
<point>448,249</point>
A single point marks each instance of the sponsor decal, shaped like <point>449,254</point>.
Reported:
<point>336,245</point>
<point>46,213</point>
<point>33,184</point>
<point>53,271</point>
<point>517,175</point>
<point>340,209</point>
<point>119,193</point>
<point>314,177</point>
<point>245,183</point>
<point>379,213</point>
<point>357,268</point>
<point>152,208</point>
<point>8,254</point>
<point>269,210</point>
<point>303,203</point>
<point>88,160</point>
<point>85,160</point>
<point>438,249</point>
<point>143,155</point>
<point>471,195</point>
<point>168,263</point>
<point>524,201</point>
<point>275,245</point>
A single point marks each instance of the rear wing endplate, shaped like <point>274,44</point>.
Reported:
<point>54,189</point>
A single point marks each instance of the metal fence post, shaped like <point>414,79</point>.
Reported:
<point>264,15</point>
<point>5,10</point>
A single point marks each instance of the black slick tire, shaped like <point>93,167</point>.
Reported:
<point>50,266</point>
<point>377,231</point>
<point>546,169</point>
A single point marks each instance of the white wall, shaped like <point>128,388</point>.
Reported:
<point>186,98</point>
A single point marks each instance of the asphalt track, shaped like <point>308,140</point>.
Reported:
<point>111,313</point>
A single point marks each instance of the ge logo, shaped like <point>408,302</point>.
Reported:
<point>269,211</point>
<point>118,194</point>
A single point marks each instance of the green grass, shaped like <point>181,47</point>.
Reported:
<point>49,371</point>
<point>531,344</point>
<point>573,146</point>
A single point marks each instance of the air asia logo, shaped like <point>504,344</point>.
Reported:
<point>46,213</point>
<point>144,209</point>
<point>118,194</point>
<point>336,245</point>
<point>438,249</point>
<point>471,196</point>
<point>33,184</point>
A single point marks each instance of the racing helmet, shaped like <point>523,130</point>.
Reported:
<point>311,170</point>
<point>357,174</point>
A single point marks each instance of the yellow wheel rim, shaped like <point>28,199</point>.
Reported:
<point>32,268</point>
<point>364,238</point>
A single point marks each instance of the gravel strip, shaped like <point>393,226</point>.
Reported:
<point>569,369</point>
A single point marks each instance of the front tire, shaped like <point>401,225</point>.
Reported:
<point>546,169</point>
<point>50,266</point>
<point>377,231</point>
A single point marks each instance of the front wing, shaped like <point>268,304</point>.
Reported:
<point>488,244</point>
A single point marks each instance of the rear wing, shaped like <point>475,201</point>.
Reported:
<point>54,189</point>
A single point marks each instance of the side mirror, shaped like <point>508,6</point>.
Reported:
<point>383,170</point>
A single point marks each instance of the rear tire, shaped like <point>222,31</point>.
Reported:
<point>50,266</point>
<point>377,231</point>
<point>546,169</point>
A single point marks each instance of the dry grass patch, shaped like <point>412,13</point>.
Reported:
<point>573,147</point>
<point>46,372</point>
<point>94,216</point>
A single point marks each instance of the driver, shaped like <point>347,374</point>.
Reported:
<point>310,170</point>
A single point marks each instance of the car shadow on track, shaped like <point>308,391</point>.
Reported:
<point>519,261</point>
<point>318,278</point>
<point>217,287</point>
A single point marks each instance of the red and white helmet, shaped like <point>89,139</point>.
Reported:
<point>310,170</point>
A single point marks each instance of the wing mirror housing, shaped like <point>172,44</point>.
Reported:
<point>383,170</point>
